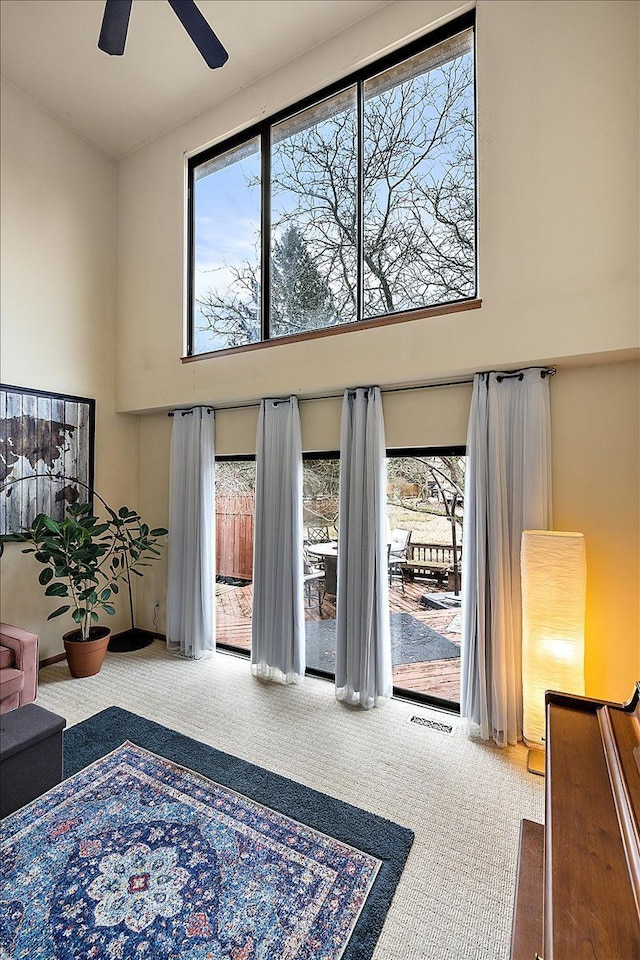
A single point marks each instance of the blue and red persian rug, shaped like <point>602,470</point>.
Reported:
<point>135,856</point>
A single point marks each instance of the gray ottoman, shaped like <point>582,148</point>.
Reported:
<point>30,755</point>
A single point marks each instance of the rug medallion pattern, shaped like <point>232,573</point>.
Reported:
<point>136,857</point>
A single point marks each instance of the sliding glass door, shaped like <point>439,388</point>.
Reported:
<point>425,506</point>
<point>235,488</point>
<point>321,476</point>
<point>235,494</point>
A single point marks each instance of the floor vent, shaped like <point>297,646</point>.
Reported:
<point>432,724</point>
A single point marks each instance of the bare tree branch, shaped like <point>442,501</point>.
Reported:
<point>418,217</point>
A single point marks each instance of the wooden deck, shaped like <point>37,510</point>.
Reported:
<point>437,678</point>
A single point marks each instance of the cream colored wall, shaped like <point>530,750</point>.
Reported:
<point>558,199</point>
<point>595,416</point>
<point>58,312</point>
<point>559,259</point>
<point>558,205</point>
<point>595,440</point>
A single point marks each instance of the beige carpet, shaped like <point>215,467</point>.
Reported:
<point>463,799</point>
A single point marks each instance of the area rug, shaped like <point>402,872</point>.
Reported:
<point>135,856</point>
<point>411,642</point>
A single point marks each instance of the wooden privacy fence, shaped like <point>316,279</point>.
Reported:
<point>234,536</point>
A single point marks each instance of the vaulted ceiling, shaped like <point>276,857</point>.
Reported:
<point>49,51</point>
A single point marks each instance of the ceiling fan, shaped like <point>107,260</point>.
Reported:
<point>115,22</point>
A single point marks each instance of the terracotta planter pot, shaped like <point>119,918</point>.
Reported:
<point>85,657</point>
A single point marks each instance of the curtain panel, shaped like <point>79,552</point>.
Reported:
<point>277,633</point>
<point>507,490</point>
<point>363,644</point>
<point>191,580</point>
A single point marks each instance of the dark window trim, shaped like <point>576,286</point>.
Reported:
<point>402,453</point>
<point>190,263</point>
<point>262,130</point>
<point>265,246</point>
<point>452,450</point>
<point>307,455</point>
<point>228,457</point>
<point>321,455</point>
<point>426,700</point>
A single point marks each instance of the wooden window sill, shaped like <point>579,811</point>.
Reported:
<point>422,314</point>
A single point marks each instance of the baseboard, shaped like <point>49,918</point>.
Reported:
<point>50,660</point>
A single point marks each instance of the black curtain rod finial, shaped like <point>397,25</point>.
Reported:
<point>519,374</point>
<point>185,413</point>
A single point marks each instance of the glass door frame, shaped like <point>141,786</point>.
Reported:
<point>399,693</point>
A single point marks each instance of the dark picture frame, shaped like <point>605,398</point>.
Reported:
<point>47,448</point>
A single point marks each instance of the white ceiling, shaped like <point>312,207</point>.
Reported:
<point>49,51</point>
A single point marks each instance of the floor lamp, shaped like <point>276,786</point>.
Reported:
<point>554,578</point>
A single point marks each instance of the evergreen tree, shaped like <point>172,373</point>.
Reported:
<point>300,296</point>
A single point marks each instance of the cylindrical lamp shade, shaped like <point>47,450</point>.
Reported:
<point>554,583</point>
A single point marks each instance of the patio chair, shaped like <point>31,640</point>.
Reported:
<point>398,554</point>
<point>312,573</point>
<point>318,534</point>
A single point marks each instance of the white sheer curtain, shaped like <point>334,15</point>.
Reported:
<point>191,584</point>
<point>277,633</point>
<point>507,490</point>
<point>363,644</point>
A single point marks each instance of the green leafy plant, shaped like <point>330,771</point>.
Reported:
<point>85,558</point>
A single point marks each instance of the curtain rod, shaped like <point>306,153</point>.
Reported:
<point>544,372</point>
<point>186,410</point>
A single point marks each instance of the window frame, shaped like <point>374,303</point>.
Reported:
<point>262,131</point>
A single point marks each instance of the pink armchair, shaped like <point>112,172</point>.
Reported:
<point>18,667</point>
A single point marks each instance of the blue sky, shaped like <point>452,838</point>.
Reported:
<point>227,229</point>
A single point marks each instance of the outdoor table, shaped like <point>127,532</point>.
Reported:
<point>329,549</point>
<point>329,554</point>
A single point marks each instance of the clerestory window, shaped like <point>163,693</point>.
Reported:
<point>357,205</point>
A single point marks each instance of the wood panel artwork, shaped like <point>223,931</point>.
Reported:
<point>46,454</point>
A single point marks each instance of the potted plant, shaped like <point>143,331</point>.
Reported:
<point>84,560</point>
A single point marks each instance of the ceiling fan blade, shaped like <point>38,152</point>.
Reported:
<point>192,20</point>
<point>115,22</point>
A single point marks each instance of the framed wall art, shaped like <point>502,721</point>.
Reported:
<point>46,454</point>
